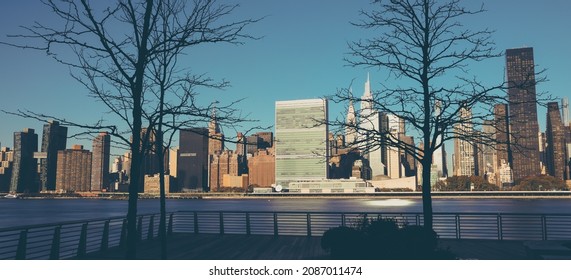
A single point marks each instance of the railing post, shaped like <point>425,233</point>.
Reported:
<point>343,219</point>
<point>458,226</point>
<point>248,230</point>
<point>221,223</point>
<point>105,237</point>
<point>140,229</point>
<point>275,224</point>
<point>22,244</point>
<point>151,231</point>
<point>195,222</point>
<point>169,229</point>
<point>500,227</point>
<point>123,237</point>
<point>308,225</point>
<point>418,219</point>
<point>543,227</point>
<point>81,247</point>
<point>54,251</point>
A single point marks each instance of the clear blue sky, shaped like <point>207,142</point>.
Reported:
<point>300,56</point>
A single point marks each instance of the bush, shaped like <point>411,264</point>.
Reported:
<point>382,239</point>
<point>342,243</point>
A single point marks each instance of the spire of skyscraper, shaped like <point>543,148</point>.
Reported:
<point>351,122</point>
<point>367,100</point>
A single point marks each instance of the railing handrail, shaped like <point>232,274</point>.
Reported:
<point>78,222</point>
<point>376,212</point>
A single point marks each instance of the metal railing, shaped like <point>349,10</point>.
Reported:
<point>75,239</point>
<point>500,226</point>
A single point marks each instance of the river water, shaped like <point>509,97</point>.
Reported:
<point>18,212</point>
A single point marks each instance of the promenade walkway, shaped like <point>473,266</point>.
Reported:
<point>262,247</point>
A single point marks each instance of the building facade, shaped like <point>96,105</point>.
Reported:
<point>556,160</point>
<point>100,162</point>
<point>226,162</point>
<point>369,131</point>
<point>301,140</point>
<point>465,161</point>
<point>262,168</point>
<point>6,160</point>
<point>74,170</point>
<point>54,139</point>
<point>192,164</point>
<point>24,168</point>
<point>523,122</point>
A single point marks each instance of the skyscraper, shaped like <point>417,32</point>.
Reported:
<point>555,150</point>
<point>393,127</point>
<point>24,168</point>
<point>439,155</point>
<point>216,137</point>
<point>54,139</point>
<point>100,162</point>
<point>501,137</point>
<point>465,162</point>
<point>301,145</point>
<point>522,112</point>
<point>192,165</point>
<point>262,168</point>
<point>351,122</point>
<point>369,132</point>
<point>6,159</point>
<point>74,170</point>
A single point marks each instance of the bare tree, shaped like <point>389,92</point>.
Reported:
<point>115,46</point>
<point>425,47</point>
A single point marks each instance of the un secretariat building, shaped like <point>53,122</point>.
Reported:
<point>301,141</point>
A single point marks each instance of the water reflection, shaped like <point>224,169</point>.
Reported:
<point>389,203</point>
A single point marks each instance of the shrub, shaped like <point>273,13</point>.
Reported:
<point>382,239</point>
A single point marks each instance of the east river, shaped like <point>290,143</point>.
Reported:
<point>18,212</point>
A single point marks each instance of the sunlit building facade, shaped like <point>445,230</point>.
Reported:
<point>301,146</point>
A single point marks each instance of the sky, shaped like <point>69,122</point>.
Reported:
<point>299,56</point>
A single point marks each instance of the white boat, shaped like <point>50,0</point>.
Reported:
<point>11,195</point>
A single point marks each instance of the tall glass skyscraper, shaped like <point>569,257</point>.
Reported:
<point>301,145</point>
<point>54,139</point>
<point>522,107</point>
<point>25,165</point>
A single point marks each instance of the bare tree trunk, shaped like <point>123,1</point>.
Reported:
<point>426,194</point>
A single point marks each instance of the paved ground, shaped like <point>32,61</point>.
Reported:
<point>262,247</point>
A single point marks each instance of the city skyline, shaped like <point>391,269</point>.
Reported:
<point>305,64</point>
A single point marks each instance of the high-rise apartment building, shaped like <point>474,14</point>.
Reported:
<point>487,162</point>
<point>439,155</point>
<point>6,159</point>
<point>192,165</point>
<point>555,135</point>
<point>262,168</point>
<point>54,139</point>
<point>100,162</point>
<point>225,163</point>
<point>24,168</point>
<point>502,139</point>
<point>522,112</point>
<point>465,162</point>
<point>393,128</point>
<point>301,145</point>
<point>74,170</point>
